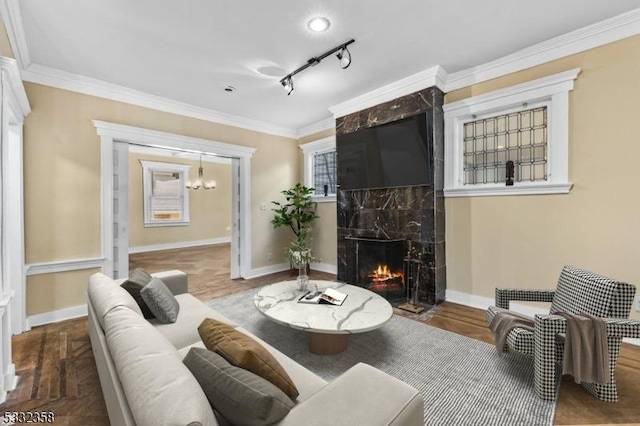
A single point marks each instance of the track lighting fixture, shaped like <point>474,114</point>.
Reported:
<point>343,55</point>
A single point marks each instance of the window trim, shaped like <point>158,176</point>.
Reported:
<point>148,167</point>
<point>309,150</point>
<point>552,91</point>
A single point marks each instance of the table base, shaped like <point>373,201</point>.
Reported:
<point>326,344</point>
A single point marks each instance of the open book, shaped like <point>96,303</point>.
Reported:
<point>328,296</point>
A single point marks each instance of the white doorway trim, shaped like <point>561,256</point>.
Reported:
<point>14,107</point>
<point>113,135</point>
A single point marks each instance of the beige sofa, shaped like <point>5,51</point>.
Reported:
<point>145,382</point>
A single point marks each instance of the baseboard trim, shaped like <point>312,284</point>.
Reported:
<point>324,267</point>
<point>57,316</point>
<point>178,245</point>
<point>266,270</point>
<point>481,302</point>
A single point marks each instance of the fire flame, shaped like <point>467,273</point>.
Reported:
<point>382,273</point>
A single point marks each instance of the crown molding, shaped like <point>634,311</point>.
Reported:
<point>318,126</point>
<point>12,19</point>
<point>589,37</point>
<point>434,76</point>
<point>40,74</point>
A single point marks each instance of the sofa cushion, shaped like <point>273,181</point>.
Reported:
<point>134,284</point>
<point>243,351</point>
<point>240,396</point>
<point>160,389</point>
<point>105,294</point>
<point>362,395</point>
<point>184,331</point>
<point>160,301</point>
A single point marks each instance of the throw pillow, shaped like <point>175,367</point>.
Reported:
<point>161,301</point>
<point>136,282</point>
<point>244,352</point>
<point>242,397</point>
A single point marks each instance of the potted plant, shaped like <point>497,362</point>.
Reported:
<point>297,212</point>
<point>299,253</point>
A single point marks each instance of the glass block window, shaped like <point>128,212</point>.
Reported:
<point>527,123</point>
<point>324,173</point>
<point>518,136</point>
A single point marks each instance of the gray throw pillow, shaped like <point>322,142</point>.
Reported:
<point>241,397</point>
<point>160,301</point>
<point>134,284</point>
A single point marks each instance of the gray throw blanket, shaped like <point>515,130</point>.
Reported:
<point>504,322</point>
<point>586,352</point>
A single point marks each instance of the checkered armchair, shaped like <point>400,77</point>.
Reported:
<point>578,292</point>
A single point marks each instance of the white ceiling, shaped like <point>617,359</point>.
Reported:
<point>190,51</point>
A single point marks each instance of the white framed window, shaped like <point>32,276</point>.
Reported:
<point>320,164</point>
<point>166,199</point>
<point>526,124</point>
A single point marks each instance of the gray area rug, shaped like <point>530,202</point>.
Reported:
<point>463,381</point>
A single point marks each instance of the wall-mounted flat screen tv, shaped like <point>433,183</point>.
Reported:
<point>386,156</point>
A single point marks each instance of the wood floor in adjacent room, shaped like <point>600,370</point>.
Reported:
<point>57,372</point>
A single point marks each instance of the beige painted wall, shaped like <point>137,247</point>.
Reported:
<point>325,234</point>
<point>524,241</point>
<point>62,182</point>
<point>5,45</point>
<point>209,210</point>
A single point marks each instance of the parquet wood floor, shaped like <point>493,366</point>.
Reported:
<point>57,371</point>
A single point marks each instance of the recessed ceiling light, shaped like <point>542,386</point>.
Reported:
<point>319,24</point>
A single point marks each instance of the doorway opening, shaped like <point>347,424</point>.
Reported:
<point>116,140</point>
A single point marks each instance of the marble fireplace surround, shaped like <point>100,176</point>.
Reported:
<point>414,213</point>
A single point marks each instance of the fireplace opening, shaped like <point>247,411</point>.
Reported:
<point>382,279</point>
<point>378,265</point>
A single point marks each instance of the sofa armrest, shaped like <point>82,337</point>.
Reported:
<point>363,395</point>
<point>505,295</point>
<point>176,280</point>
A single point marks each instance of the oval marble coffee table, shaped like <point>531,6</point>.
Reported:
<point>328,326</point>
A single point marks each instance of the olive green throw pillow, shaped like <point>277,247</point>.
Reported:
<point>241,397</point>
<point>242,351</point>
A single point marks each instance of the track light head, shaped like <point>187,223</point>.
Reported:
<point>344,56</point>
<point>287,83</point>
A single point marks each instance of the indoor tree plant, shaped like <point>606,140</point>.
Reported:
<point>297,212</point>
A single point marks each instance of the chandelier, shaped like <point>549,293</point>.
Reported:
<point>200,182</point>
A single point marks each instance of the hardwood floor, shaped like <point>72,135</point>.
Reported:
<point>57,371</point>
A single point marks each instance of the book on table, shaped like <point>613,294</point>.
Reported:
<point>328,296</point>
